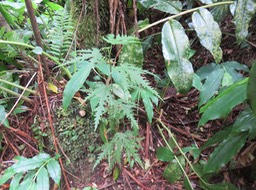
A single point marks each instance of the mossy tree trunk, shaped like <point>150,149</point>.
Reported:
<point>92,17</point>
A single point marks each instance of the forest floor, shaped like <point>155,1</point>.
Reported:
<point>178,112</point>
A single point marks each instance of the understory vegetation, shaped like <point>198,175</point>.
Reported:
<point>61,103</point>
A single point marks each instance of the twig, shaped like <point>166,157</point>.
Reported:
<point>41,81</point>
<point>137,181</point>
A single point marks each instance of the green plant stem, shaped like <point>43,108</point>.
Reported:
<point>18,86</point>
<point>44,53</point>
<point>182,153</point>
<point>176,158</point>
<point>15,93</point>
<point>183,13</point>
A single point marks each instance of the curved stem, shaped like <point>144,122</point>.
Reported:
<point>15,94</point>
<point>44,53</point>
<point>18,86</point>
<point>183,13</point>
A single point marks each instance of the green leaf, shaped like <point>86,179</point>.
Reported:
<point>187,184</point>
<point>227,79</point>
<point>220,106</point>
<point>43,180</point>
<point>217,137</point>
<point>37,50</point>
<point>225,151</point>
<point>208,32</point>
<point>54,170</point>
<point>197,82</point>
<point>122,40</point>
<point>146,98</point>
<point>251,88</point>
<point>15,181</point>
<point>164,154</point>
<point>211,85</point>
<point>220,12</point>
<point>245,122</point>
<point>234,69</point>
<point>3,114</point>
<point>28,182</point>
<point>244,11</point>
<point>132,54</point>
<point>176,50</point>
<point>171,7</point>
<point>172,172</point>
<point>75,83</point>
<point>7,175</point>
<point>30,164</point>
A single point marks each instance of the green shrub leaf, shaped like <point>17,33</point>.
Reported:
<point>225,151</point>
<point>15,181</point>
<point>208,32</point>
<point>2,117</point>
<point>54,170</point>
<point>251,89</point>
<point>245,122</point>
<point>171,7</point>
<point>176,51</point>
<point>76,82</point>
<point>24,165</point>
<point>211,85</point>
<point>164,154</point>
<point>244,11</point>
<point>43,180</point>
<point>220,106</point>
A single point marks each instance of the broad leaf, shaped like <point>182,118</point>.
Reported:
<point>76,82</point>
<point>7,175</point>
<point>54,170</point>
<point>43,179</point>
<point>211,85</point>
<point>251,89</point>
<point>221,106</point>
<point>245,122</point>
<point>176,51</point>
<point>132,54</point>
<point>220,12</point>
<point>164,154</point>
<point>217,138</point>
<point>225,151</point>
<point>244,11</point>
<point>171,7</point>
<point>28,182</point>
<point>208,32</point>
<point>15,181</point>
<point>30,164</point>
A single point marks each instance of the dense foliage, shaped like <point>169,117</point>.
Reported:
<point>115,88</point>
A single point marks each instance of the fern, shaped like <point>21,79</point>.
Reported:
<point>122,40</point>
<point>60,38</point>
<point>113,150</point>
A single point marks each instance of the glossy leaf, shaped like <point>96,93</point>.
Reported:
<point>75,83</point>
<point>54,170</point>
<point>220,12</point>
<point>43,179</point>
<point>221,106</point>
<point>171,7</point>
<point>245,122</point>
<point>172,172</point>
<point>176,51</point>
<point>244,11</point>
<point>211,85</point>
<point>251,89</point>
<point>132,54</point>
<point>164,154</point>
<point>225,151</point>
<point>208,32</point>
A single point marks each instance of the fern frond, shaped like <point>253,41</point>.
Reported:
<point>60,37</point>
<point>121,143</point>
<point>122,40</point>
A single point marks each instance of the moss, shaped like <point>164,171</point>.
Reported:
<point>75,133</point>
<point>87,30</point>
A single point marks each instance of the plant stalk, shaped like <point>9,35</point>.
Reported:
<point>18,86</point>
<point>183,13</point>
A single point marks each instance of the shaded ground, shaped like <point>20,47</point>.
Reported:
<point>179,113</point>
